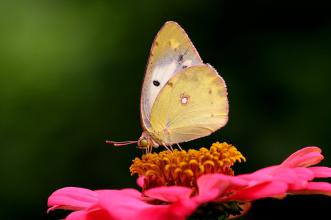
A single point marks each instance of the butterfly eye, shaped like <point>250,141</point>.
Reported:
<point>143,143</point>
<point>156,83</point>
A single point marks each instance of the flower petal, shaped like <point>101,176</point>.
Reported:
<point>77,215</point>
<point>212,186</point>
<point>97,213</point>
<point>120,204</point>
<point>141,181</point>
<point>72,198</point>
<point>316,188</point>
<point>126,191</point>
<point>321,172</point>
<point>169,193</point>
<point>294,177</point>
<point>304,157</point>
<point>320,186</point>
<point>301,178</point>
<point>264,190</point>
<point>261,175</point>
<point>177,211</point>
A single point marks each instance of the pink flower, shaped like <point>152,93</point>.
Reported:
<point>293,176</point>
<point>122,204</point>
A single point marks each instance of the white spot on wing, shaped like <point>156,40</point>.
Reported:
<point>184,100</point>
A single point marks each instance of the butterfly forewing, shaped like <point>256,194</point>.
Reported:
<point>171,52</point>
<point>192,104</point>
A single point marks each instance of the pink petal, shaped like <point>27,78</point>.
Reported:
<point>315,188</point>
<point>72,198</point>
<point>141,181</point>
<point>319,186</point>
<point>119,204</point>
<point>304,173</point>
<point>264,190</point>
<point>212,186</point>
<point>77,215</point>
<point>177,211</point>
<point>126,191</point>
<point>295,177</point>
<point>97,214</point>
<point>169,193</point>
<point>302,176</point>
<point>303,158</point>
<point>261,175</point>
<point>279,173</point>
<point>285,175</point>
<point>321,172</point>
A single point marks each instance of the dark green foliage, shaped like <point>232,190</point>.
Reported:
<point>219,211</point>
<point>71,74</point>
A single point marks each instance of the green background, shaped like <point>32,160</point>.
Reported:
<point>71,74</point>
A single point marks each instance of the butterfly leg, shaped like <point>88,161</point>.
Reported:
<point>164,145</point>
<point>149,149</point>
<point>179,146</point>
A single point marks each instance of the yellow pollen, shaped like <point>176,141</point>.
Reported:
<point>182,168</point>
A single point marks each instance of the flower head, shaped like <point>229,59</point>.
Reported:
<point>222,193</point>
<point>183,168</point>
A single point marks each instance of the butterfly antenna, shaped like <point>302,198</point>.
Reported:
<point>120,143</point>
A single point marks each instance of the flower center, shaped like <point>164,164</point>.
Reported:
<point>183,168</point>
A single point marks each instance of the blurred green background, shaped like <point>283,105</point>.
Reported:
<point>71,74</point>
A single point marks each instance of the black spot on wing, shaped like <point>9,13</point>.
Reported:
<point>156,83</point>
<point>180,58</point>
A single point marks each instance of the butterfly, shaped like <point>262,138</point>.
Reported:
<point>182,98</point>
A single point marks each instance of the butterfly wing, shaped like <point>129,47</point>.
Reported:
<point>191,105</point>
<point>171,51</point>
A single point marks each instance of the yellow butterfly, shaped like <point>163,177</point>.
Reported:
<point>182,98</point>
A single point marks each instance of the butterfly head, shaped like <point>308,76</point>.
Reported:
<point>143,143</point>
<point>146,141</point>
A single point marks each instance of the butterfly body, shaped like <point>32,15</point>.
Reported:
<point>182,98</point>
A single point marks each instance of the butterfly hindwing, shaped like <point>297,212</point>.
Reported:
<point>171,52</point>
<point>192,104</point>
